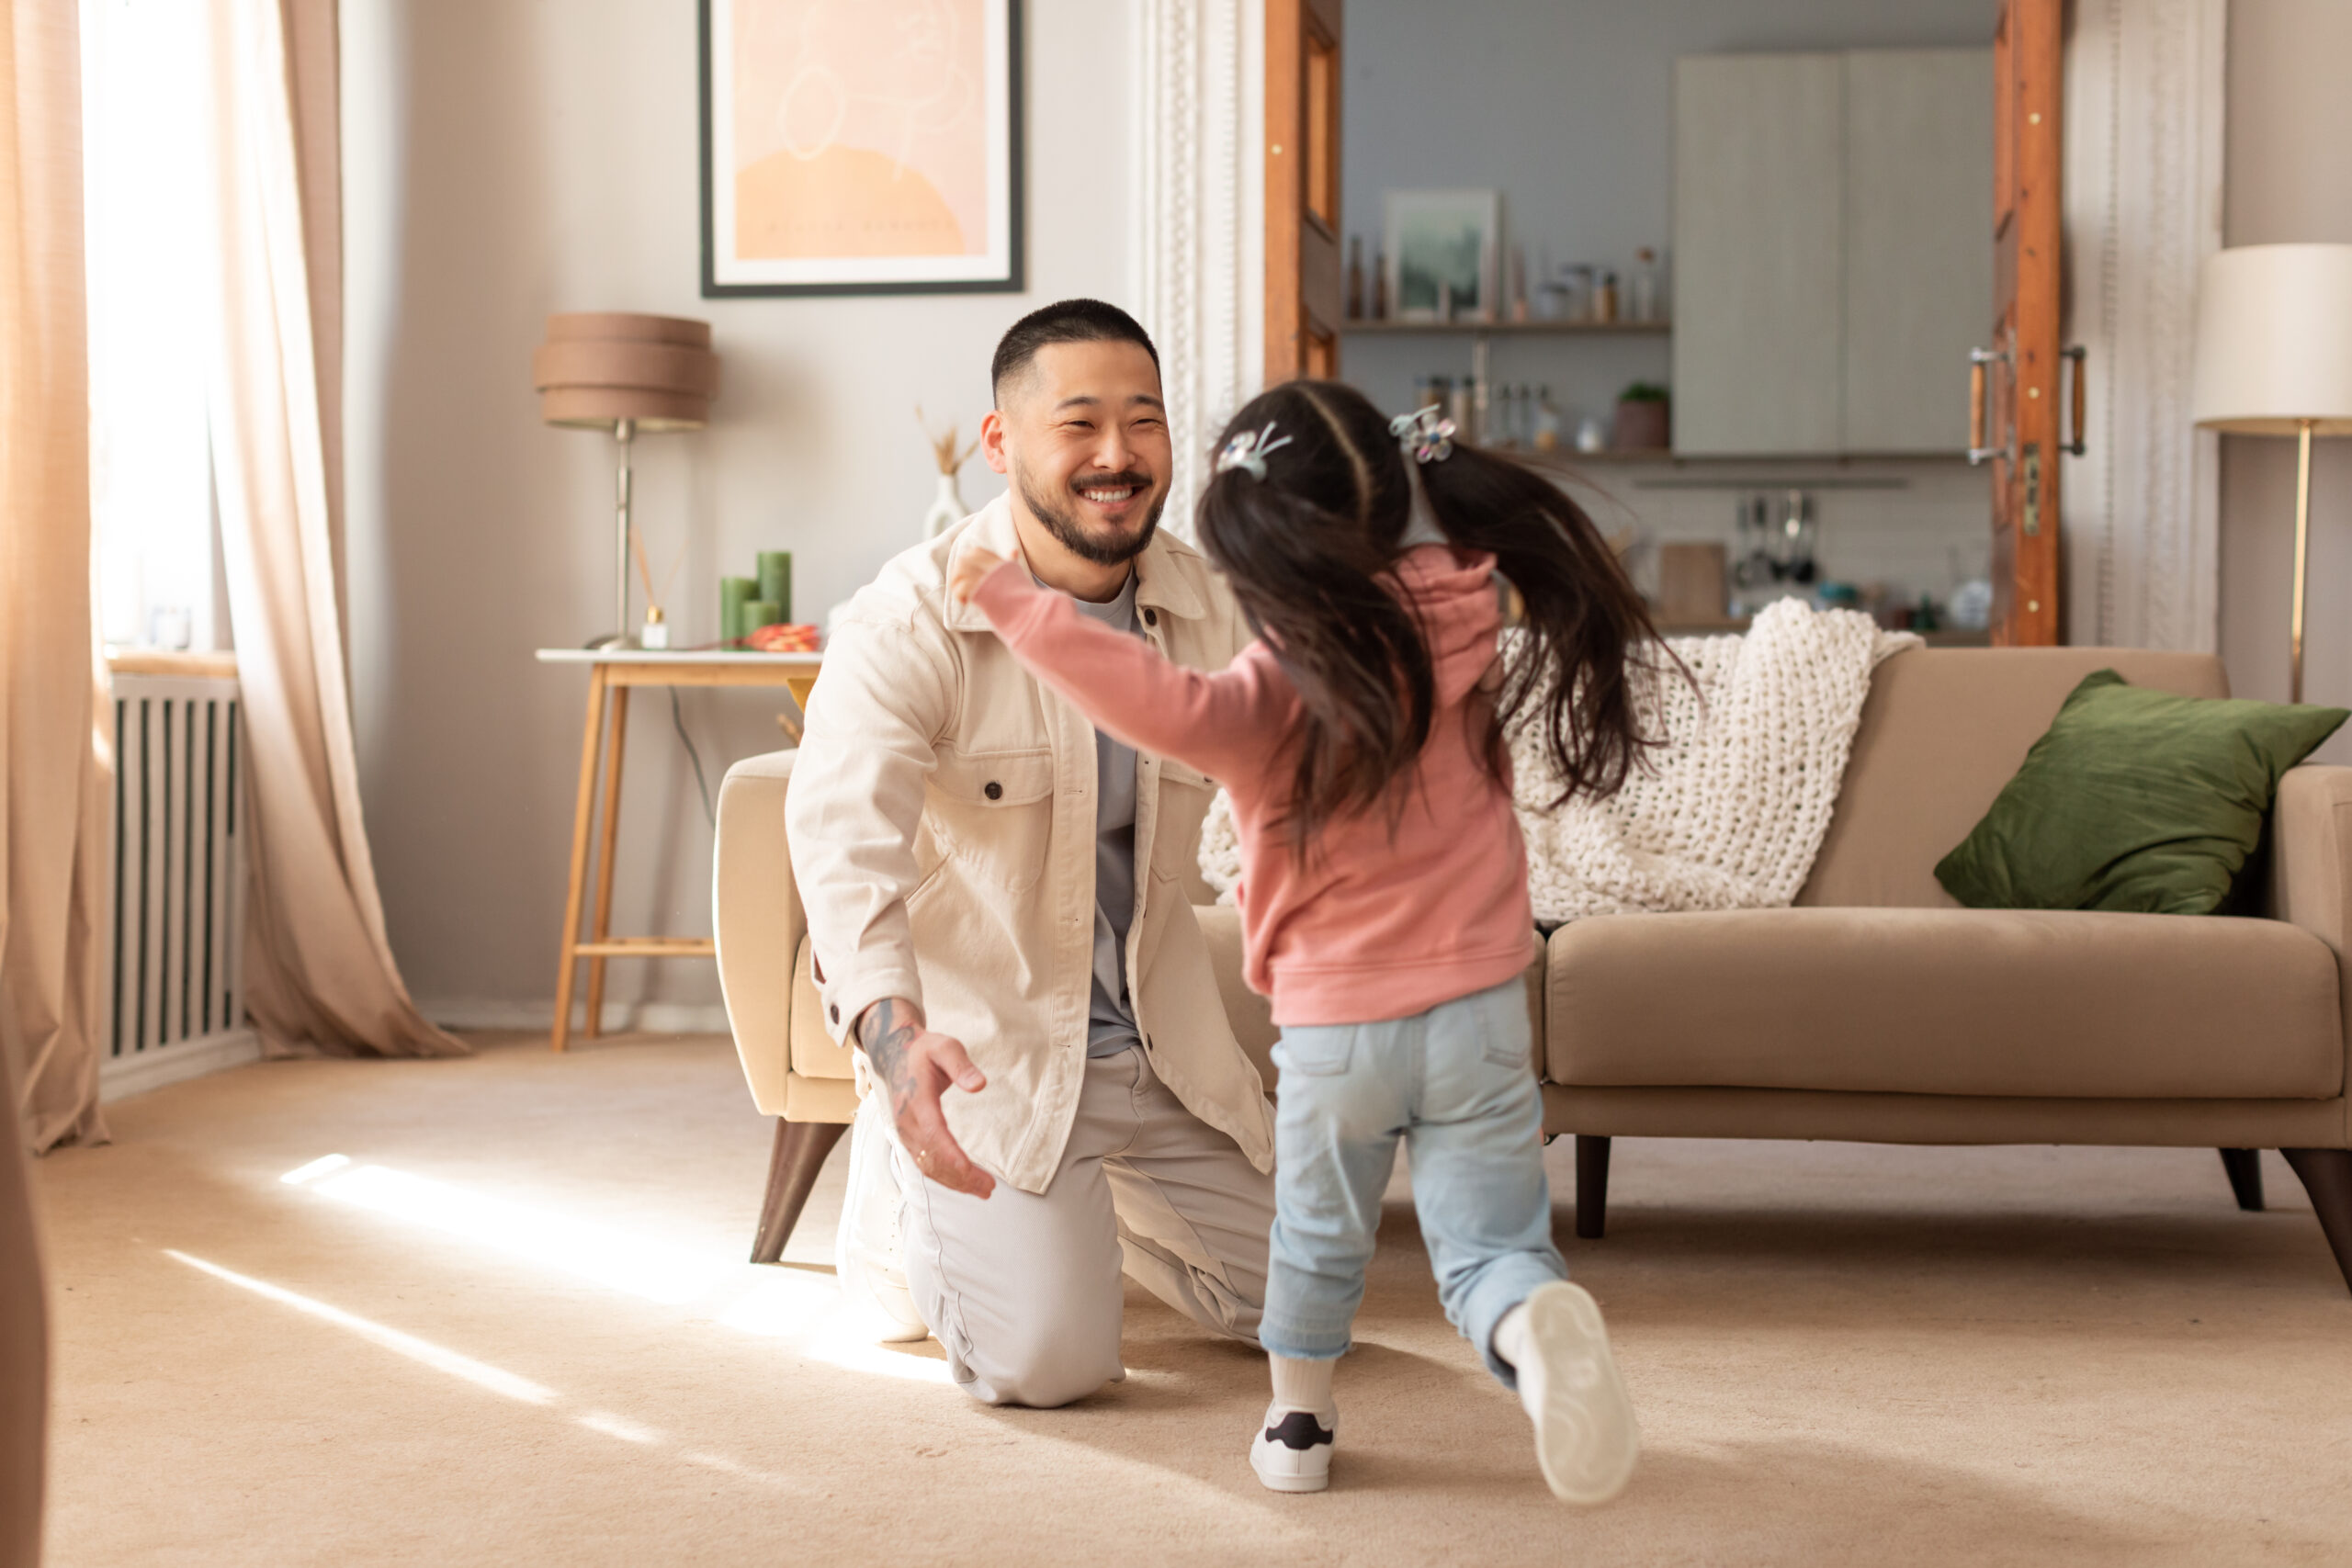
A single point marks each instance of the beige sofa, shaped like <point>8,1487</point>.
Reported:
<point>1877,1009</point>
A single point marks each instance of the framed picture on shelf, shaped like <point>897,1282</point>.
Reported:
<point>1443,246</point>
<point>866,149</point>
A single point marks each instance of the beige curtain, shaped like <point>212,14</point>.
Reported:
<point>52,775</point>
<point>319,971</point>
<point>53,771</point>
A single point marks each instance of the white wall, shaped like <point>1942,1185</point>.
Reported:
<point>509,158</point>
<point>2290,121</point>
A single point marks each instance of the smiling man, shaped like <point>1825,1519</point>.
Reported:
<point>996,900</point>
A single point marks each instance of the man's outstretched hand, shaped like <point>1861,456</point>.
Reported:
<point>972,569</point>
<point>915,1067</point>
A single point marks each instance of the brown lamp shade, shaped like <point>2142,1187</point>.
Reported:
<point>601,366</point>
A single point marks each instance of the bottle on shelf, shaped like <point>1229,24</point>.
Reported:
<point>1355,276</point>
<point>1462,407</point>
<point>1546,436</point>
<point>1578,304</point>
<point>1643,304</point>
<point>1519,282</point>
<point>1379,285</point>
<point>1444,300</point>
<point>1604,298</point>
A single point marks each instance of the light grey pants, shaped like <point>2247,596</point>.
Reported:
<point>1023,1288</point>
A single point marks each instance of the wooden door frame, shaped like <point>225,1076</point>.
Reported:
<point>1290,349</point>
<point>2028,213</point>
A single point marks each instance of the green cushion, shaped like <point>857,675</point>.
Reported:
<point>2136,801</point>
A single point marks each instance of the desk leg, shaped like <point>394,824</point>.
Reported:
<point>583,814</point>
<point>602,927</point>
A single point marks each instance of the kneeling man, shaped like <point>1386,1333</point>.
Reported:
<point>996,899</point>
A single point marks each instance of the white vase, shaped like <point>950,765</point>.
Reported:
<point>948,509</point>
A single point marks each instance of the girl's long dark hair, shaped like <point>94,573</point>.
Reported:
<point>1309,550</point>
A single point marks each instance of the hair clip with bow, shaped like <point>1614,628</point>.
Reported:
<point>1426,433</point>
<point>1248,450</point>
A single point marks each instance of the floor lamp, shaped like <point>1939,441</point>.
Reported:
<point>2274,357</point>
<point>629,374</point>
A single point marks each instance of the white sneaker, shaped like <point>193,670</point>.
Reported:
<point>1585,1437</point>
<point>1291,1452</point>
<point>866,1257</point>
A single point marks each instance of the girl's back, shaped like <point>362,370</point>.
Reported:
<point>1421,896</point>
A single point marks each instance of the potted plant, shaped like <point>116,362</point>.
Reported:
<point>1642,417</point>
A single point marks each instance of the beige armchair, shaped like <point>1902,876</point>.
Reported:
<point>1877,1010</point>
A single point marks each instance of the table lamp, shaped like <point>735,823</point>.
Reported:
<point>605,370</point>
<point>2274,357</point>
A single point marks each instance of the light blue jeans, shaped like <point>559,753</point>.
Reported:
<point>1456,1085</point>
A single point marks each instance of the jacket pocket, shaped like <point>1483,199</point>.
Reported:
<point>993,813</point>
<point>1184,796</point>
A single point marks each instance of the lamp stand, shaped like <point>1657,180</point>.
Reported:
<point>2302,548</point>
<point>624,432</point>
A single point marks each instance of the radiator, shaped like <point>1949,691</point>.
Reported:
<point>175,1006</point>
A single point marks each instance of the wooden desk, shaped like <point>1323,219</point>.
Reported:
<point>612,673</point>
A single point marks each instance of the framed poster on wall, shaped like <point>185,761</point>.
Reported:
<point>861,147</point>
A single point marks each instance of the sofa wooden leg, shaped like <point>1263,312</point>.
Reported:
<point>2327,1176</point>
<point>2244,1166</point>
<point>1592,1186</point>
<point>799,1155</point>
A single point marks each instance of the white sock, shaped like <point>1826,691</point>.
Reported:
<point>1303,1385</point>
<point>1510,1344</point>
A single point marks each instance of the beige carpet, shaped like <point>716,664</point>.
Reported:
<point>514,1327</point>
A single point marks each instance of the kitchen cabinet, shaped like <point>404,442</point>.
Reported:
<point>1831,269</point>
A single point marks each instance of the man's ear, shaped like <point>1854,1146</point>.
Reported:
<point>992,442</point>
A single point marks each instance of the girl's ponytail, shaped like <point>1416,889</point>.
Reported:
<point>1572,670</point>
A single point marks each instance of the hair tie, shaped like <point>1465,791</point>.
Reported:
<point>1426,434</point>
<point>1248,450</point>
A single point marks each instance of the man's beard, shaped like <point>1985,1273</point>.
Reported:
<point>1061,521</point>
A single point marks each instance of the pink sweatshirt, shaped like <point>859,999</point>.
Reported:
<point>1372,927</point>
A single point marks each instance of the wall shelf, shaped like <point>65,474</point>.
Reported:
<point>1505,328</point>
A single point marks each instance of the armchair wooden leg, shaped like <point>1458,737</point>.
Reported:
<point>799,1155</point>
<point>2327,1176</point>
<point>1592,1186</point>
<point>2244,1166</point>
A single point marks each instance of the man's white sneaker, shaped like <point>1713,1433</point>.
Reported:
<point>867,1259</point>
<point>1291,1452</point>
<point>1585,1437</point>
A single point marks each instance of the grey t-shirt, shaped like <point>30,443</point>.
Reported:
<point>1111,1018</point>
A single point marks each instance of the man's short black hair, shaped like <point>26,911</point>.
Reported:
<point>1066,321</point>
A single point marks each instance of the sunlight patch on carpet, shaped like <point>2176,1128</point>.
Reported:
<point>423,1351</point>
<point>650,1270</point>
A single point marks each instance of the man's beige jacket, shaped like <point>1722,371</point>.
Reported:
<point>942,823</point>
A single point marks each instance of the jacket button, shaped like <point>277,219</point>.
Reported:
<point>995,791</point>
<point>1151,617</point>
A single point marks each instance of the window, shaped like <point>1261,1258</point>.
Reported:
<point>151,475</point>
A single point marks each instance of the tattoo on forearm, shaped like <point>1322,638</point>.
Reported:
<point>885,1032</point>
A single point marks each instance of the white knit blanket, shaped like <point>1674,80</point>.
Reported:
<point>1729,814</point>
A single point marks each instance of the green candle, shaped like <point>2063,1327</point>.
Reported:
<point>775,582</point>
<point>760,613</point>
<point>734,592</point>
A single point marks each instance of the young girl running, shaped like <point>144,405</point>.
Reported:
<point>1383,897</point>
